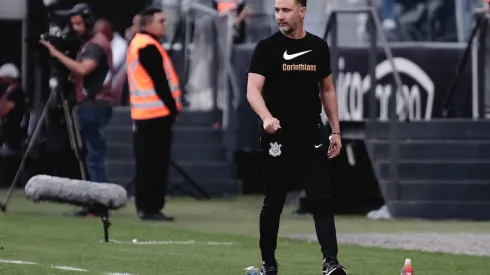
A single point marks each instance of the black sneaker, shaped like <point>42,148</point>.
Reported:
<point>332,267</point>
<point>269,268</point>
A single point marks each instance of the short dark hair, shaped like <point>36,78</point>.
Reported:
<point>147,15</point>
<point>302,2</point>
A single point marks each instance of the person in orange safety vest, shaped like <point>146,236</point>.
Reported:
<point>155,102</point>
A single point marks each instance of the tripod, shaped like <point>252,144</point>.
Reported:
<point>72,127</point>
<point>202,192</point>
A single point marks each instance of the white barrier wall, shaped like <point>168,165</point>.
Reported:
<point>13,9</point>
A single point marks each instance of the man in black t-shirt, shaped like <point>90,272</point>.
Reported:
<point>12,108</point>
<point>289,79</point>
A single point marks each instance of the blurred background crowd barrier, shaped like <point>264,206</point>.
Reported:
<point>419,146</point>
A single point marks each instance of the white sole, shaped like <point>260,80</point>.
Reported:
<point>331,272</point>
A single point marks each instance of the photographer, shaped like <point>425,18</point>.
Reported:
<point>92,71</point>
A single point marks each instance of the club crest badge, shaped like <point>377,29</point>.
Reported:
<point>275,149</point>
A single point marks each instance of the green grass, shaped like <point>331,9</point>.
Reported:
<point>40,233</point>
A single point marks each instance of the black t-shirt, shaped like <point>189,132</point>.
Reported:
<point>293,69</point>
<point>11,132</point>
<point>94,81</point>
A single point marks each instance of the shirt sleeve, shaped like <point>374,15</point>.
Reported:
<point>258,61</point>
<point>151,59</point>
<point>119,48</point>
<point>93,52</point>
<point>324,61</point>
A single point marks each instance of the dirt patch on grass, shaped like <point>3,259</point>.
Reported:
<point>466,244</point>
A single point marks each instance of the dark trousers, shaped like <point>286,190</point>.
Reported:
<point>92,121</point>
<point>152,143</point>
<point>302,163</point>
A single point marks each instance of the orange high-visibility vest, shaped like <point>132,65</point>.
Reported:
<point>226,5</point>
<point>144,101</point>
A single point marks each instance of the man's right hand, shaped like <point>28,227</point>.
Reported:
<point>271,125</point>
<point>52,50</point>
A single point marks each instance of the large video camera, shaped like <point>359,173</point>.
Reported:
<point>60,32</point>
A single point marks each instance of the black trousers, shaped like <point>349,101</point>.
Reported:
<point>152,142</point>
<point>293,163</point>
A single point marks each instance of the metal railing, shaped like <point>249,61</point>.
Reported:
<point>475,51</point>
<point>218,69</point>
<point>214,35</point>
<point>374,27</point>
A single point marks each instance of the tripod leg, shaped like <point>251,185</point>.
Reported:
<point>190,179</point>
<point>79,141</point>
<point>178,187</point>
<point>106,224</point>
<point>130,183</point>
<point>77,127</point>
<point>71,125</point>
<point>3,206</point>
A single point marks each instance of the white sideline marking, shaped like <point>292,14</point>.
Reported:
<point>60,267</point>
<point>180,242</point>
<point>69,268</point>
<point>15,262</point>
<point>165,242</point>
<point>220,243</point>
<point>110,241</point>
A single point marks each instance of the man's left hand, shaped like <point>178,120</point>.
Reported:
<point>335,146</point>
<point>52,50</point>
